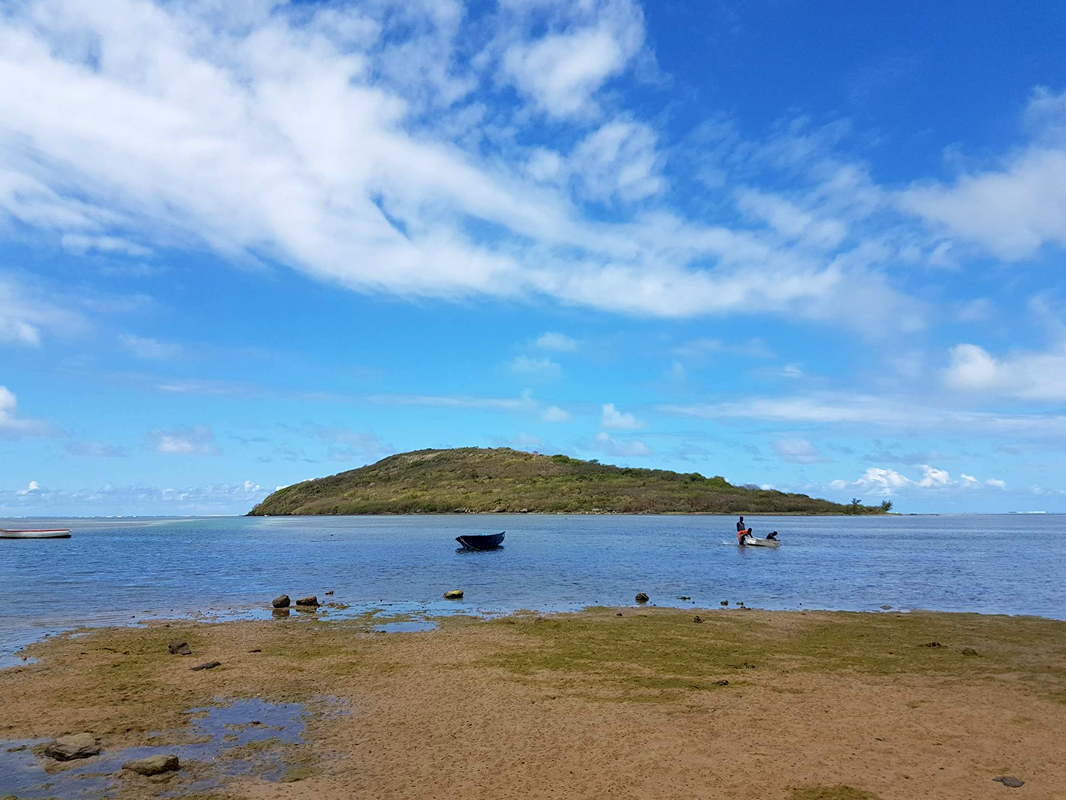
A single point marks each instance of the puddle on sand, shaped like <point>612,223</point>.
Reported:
<point>243,738</point>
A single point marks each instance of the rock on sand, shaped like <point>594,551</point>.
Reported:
<point>642,597</point>
<point>179,647</point>
<point>282,601</point>
<point>311,601</point>
<point>453,594</point>
<point>76,745</point>
<point>153,765</point>
<point>1010,781</point>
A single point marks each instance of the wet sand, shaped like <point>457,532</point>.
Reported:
<point>626,703</point>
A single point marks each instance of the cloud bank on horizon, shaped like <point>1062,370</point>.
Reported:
<point>239,240</point>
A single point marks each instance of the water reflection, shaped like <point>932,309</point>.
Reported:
<point>246,737</point>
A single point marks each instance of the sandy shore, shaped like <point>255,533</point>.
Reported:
<point>620,703</point>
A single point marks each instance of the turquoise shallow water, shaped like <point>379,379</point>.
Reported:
<point>121,571</point>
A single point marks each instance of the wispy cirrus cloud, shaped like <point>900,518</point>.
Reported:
<point>857,410</point>
<point>543,369</point>
<point>603,442</point>
<point>91,449</point>
<point>522,403</point>
<point>349,444</point>
<point>798,450</point>
<point>562,70</point>
<point>705,347</point>
<point>149,349</point>
<point>189,440</point>
<point>182,128</point>
<point>130,500</point>
<point>15,426</point>
<point>555,342</point>
<point>1016,206</point>
<point>26,313</point>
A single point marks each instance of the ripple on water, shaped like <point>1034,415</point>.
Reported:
<point>245,737</point>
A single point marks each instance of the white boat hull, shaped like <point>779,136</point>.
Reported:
<point>55,533</point>
<point>751,541</point>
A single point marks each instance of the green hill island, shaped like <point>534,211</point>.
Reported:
<point>500,480</point>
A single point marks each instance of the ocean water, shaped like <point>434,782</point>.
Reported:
<point>126,570</point>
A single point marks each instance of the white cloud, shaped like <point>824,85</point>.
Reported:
<point>95,450</point>
<point>555,414</point>
<point>540,368</point>
<point>223,498</point>
<point>12,426</point>
<point>980,309</point>
<point>787,371</point>
<point>789,220</point>
<point>1042,491</point>
<point>348,444</point>
<point>933,477</point>
<point>25,311</point>
<point>82,244</point>
<point>798,451</point>
<point>701,348</point>
<point>876,480</point>
<point>561,71</point>
<point>191,440</point>
<point>605,443</point>
<point>618,162</point>
<point>556,342</point>
<point>546,166</point>
<point>330,140</point>
<point>524,403</point>
<point>865,410</point>
<point>151,349</point>
<point>613,418</point>
<point>972,368</point>
<point>1016,207</point>
<point>1026,376</point>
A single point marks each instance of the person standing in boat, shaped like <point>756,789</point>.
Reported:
<point>742,531</point>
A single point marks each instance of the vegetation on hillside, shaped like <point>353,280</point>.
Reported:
<point>502,480</point>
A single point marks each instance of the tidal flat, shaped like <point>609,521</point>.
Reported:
<point>619,702</point>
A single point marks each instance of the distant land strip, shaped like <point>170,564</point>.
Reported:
<point>477,480</point>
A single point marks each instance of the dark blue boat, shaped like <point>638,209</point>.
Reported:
<point>480,541</point>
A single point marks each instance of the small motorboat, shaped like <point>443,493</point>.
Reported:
<point>480,541</point>
<point>40,533</point>
<point>751,541</point>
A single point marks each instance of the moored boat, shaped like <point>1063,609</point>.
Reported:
<point>39,533</point>
<point>480,541</point>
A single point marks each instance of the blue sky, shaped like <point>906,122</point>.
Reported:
<point>815,246</point>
